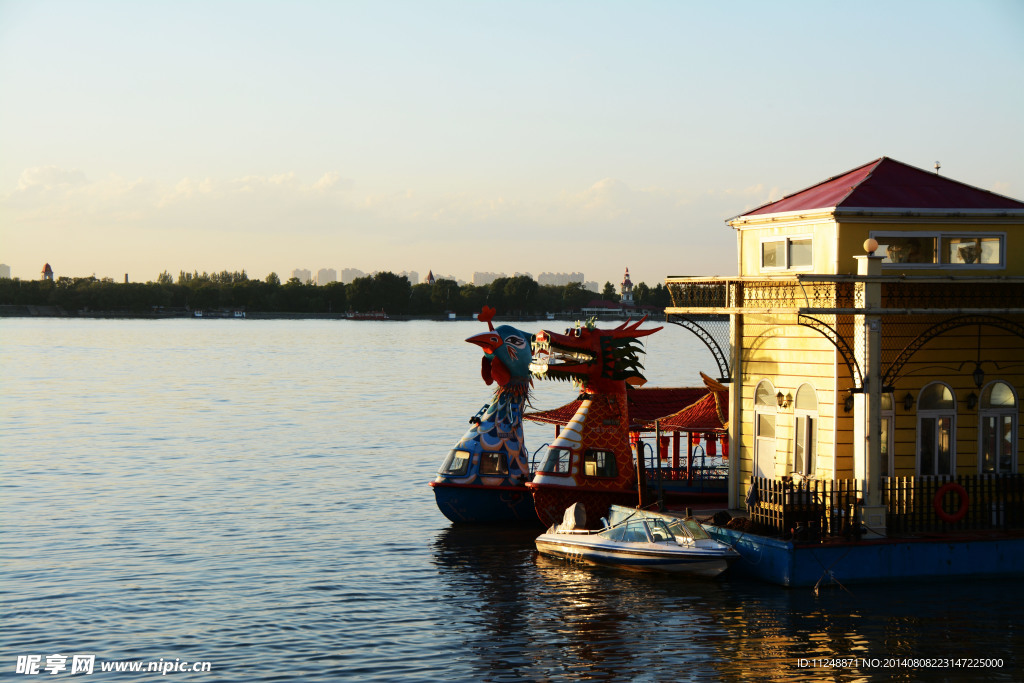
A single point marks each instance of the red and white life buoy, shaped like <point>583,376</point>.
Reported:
<point>941,493</point>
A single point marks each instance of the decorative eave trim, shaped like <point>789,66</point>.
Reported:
<point>788,217</point>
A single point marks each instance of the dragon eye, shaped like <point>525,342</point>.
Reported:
<point>518,342</point>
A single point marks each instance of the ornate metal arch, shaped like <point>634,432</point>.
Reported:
<point>696,324</point>
<point>841,344</point>
<point>938,329</point>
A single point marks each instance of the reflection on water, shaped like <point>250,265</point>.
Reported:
<point>563,620</point>
<point>254,494</point>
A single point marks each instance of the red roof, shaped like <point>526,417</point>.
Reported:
<point>645,405</point>
<point>889,184</point>
<point>706,415</point>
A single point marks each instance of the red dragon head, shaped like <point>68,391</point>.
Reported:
<point>600,360</point>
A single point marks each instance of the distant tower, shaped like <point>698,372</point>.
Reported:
<point>48,272</point>
<point>627,291</point>
<point>430,277</point>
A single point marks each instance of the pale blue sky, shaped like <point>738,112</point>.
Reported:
<point>460,136</point>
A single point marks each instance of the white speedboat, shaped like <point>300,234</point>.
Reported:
<point>642,542</point>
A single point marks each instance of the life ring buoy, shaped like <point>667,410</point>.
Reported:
<point>941,493</point>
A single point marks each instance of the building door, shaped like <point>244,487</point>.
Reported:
<point>997,421</point>
<point>936,429</point>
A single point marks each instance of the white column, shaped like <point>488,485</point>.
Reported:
<point>868,422</point>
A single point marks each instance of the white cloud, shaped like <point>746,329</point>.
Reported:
<point>50,178</point>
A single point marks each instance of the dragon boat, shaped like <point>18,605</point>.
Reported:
<point>482,480</point>
<point>591,461</point>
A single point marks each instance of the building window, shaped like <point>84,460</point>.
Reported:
<point>805,418</point>
<point>997,418</point>
<point>972,250</point>
<point>945,249</point>
<point>787,253</point>
<point>599,464</point>
<point>888,416</point>
<point>765,409</point>
<point>936,425</point>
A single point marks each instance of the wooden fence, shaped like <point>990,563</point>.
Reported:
<point>805,510</point>
<point>978,501</point>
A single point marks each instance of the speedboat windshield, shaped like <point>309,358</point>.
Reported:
<point>688,528</point>
<point>639,531</point>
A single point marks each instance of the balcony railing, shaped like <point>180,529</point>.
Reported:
<point>969,502</point>
<point>811,510</point>
<point>805,510</point>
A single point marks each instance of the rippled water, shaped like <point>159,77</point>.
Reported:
<point>253,494</point>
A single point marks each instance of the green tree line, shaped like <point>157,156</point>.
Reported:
<point>384,291</point>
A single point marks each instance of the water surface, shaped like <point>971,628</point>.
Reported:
<point>254,494</point>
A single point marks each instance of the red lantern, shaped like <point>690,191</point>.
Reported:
<point>712,448</point>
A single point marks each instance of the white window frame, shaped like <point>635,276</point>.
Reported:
<point>940,237</point>
<point>763,451</point>
<point>936,413</point>
<point>809,438</point>
<point>889,416</point>
<point>788,240</point>
<point>999,413</point>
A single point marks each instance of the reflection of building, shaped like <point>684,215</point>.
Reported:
<point>893,371</point>
<point>47,272</point>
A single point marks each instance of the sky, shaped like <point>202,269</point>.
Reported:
<point>138,137</point>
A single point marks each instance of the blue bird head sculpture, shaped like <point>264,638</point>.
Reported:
<point>507,351</point>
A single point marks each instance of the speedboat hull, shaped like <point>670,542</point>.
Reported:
<point>692,561</point>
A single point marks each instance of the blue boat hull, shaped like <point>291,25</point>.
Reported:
<point>476,504</point>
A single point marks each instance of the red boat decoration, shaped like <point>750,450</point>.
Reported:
<point>591,461</point>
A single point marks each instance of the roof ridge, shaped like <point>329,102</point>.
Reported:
<point>805,189</point>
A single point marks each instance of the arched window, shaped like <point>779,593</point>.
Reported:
<point>936,425</point>
<point>765,409</point>
<point>805,434</point>
<point>888,418</point>
<point>997,420</point>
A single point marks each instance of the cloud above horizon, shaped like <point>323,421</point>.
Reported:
<point>327,221</point>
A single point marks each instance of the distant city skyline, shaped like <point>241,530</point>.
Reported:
<point>458,137</point>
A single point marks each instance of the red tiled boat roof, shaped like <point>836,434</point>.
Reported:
<point>646,404</point>
<point>706,415</point>
<point>888,184</point>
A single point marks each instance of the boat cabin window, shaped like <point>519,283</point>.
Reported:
<point>493,463</point>
<point>457,462</point>
<point>599,463</point>
<point>557,461</point>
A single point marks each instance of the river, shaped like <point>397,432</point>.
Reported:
<point>253,494</point>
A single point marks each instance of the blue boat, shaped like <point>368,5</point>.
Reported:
<point>482,481</point>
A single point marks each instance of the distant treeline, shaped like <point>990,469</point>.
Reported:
<point>387,292</point>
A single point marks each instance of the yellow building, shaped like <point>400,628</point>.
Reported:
<point>890,373</point>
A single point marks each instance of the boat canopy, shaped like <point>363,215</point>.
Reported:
<point>645,405</point>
